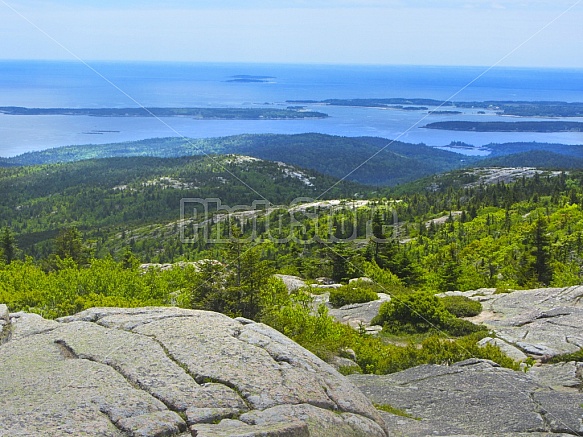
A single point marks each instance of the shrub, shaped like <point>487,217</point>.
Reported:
<point>461,306</point>
<point>355,292</point>
<point>375,357</point>
<point>460,327</point>
<point>412,313</point>
<point>421,312</point>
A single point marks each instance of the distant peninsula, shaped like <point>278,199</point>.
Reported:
<point>196,113</point>
<point>502,126</point>
<point>513,108</point>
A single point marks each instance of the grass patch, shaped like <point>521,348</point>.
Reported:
<point>565,358</point>
<point>349,370</point>
<point>396,411</point>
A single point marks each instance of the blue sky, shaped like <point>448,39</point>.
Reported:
<point>431,32</point>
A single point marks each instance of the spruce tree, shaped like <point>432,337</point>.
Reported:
<point>7,245</point>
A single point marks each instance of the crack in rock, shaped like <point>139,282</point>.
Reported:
<point>538,409</point>
<point>110,417</point>
<point>161,424</point>
<point>66,351</point>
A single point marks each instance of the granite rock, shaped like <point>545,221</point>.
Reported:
<point>170,371</point>
<point>474,397</point>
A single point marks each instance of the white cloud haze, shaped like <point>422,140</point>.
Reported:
<point>433,32</point>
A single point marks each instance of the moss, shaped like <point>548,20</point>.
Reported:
<point>396,411</point>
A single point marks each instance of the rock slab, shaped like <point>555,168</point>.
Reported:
<point>478,398</point>
<point>541,322</point>
<point>170,372</point>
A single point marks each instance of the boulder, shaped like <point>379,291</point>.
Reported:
<point>474,398</point>
<point>359,314</point>
<point>170,371</point>
<point>292,283</point>
<point>509,350</point>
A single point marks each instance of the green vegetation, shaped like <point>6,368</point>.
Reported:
<point>575,356</point>
<point>421,312</point>
<point>536,158</point>
<point>355,292</point>
<point>112,198</point>
<point>335,156</point>
<point>396,411</point>
<point>73,236</point>
<point>461,306</point>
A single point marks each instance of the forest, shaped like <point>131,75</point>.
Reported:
<point>395,162</point>
<point>75,235</point>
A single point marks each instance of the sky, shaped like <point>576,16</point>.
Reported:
<point>523,33</point>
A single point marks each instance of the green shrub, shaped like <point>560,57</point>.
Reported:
<point>374,356</point>
<point>461,306</point>
<point>421,312</point>
<point>460,327</point>
<point>355,292</point>
<point>412,313</point>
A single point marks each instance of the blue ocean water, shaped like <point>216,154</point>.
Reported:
<point>114,84</point>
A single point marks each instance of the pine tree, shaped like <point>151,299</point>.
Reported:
<point>541,265</point>
<point>7,245</point>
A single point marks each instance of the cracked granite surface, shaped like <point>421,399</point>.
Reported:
<point>479,398</point>
<point>169,371</point>
<point>541,322</point>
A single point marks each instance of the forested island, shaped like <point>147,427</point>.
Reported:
<point>197,113</point>
<point>514,108</point>
<point>502,126</point>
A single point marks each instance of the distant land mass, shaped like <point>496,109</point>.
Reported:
<point>197,113</point>
<point>515,108</point>
<point>248,78</point>
<point>372,161</point>
<point>535,158</point>
<point>502,126</point>
<point>394,162</point>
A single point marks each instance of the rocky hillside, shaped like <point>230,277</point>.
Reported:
<point>170,371</point>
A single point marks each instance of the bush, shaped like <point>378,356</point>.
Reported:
<point>356,292</point>
<point>375,357</point>
<point>412,313</point>
<point>461,306</point>
<point>421,312</point>
<point>460,327</point>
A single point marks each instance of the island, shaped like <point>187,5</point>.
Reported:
<point>445,112</point>
<point>196,113</point>
<point>247,78</point>
<point>510,108</point>
<point>502,126</point>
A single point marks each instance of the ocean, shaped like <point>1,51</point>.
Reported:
<point>48,84</point>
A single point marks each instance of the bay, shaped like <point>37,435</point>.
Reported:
<point>115,84</point>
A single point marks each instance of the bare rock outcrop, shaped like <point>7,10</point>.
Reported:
<point>169,371</point>
<point>479,398</point>
<point>542,322</point>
